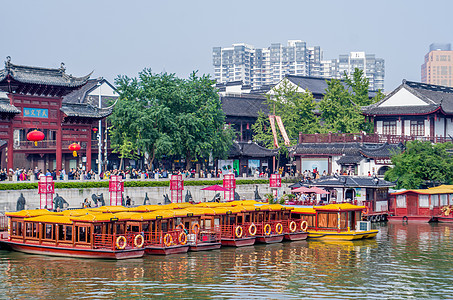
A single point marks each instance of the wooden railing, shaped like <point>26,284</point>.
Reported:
<point>367,138</point>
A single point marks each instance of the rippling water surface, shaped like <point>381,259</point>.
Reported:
<point>404,261</point>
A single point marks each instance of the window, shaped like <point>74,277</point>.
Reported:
<point>84,234</point>
<point>443,199</point>
<point>401,201</point>
<point>68,233</point>
<point>435,200</point>
<point>423,201</point>
<point>418,128</point>
<point>16,228</point>
<point>48,231</point>
<point>389,127</point>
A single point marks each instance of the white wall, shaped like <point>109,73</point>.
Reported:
<point>379,127</point>
<point>439,126</point>
<point>106,90</point>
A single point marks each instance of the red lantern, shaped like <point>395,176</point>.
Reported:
<point>95,129</point>
<point>35,136</point>
<point>74,147</point>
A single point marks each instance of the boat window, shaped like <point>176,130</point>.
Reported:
<point>135,228</point>
<point>35,230</point>
<point>327,220</point>
<point>29,229</point>
<point>450,196</point>
<point>239,220</point>
<point>48,234</point>
<point>165,228</point>
<point>207,223</point>
<point>216,222</point>
<point>401,201</point>
<point>60,232</point>
<point>14,228</point>
<point>343,218</point>
<point>97,229</point>
<point>84,234</point>
<point>19,228</point>
<point>187,225</point>
<point>443,199</point>
<point>145,227</point>
<point>435,200</point>
<point>119,228</point>
<point>310,219</point>
<point>247,218</point>
<point>68,233</point>
<point>232,220</point>
<point>423,201</point>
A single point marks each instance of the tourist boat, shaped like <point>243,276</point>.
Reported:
<point>83,235</point>
<point>159,231</point>
<point>269,221</point>
<point>204,234</point>
<point>235,231</point>
<point>296,226</point>
<point>422,205</point>
<point>336,222</point>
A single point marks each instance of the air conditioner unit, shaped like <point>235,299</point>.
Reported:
<point>363,226</point>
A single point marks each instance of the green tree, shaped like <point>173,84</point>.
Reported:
<point>296,110</point>
<point>338,112</point>
<point>358,85</point>
<point>422,162</point>
<point>164,115</point>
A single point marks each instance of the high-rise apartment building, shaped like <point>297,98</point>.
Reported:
<point>372,67</point>
<point>257,67</point>
<point>437,68</point>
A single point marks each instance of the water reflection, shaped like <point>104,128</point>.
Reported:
<point>405,261</point>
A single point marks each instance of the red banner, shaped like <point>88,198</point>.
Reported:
<point>282,130</point>
<point>274,132</point>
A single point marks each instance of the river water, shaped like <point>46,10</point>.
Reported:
<point>404,261</point>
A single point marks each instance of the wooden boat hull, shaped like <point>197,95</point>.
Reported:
<point>205,247</point>
<point>416,218</point>
<point>75,252</point>
<point>296,236</point>
<point>157,250</point>
<point>270,239</point>
<point>345,236</point>
<point>242,242</point>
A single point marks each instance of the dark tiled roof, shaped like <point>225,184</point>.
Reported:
<point>435,96</point>
<point>329,148</point>
<point>250,150</point>
<point>41,76</point>
<point>352,151</point>
<point>85,111</point>
<point>244,106</point>
<point>352,181</point>
<point>81,95</point>
<point>380,151</point>
<point>6,107</point>
<point>349,159</point>
<point>316,85</point>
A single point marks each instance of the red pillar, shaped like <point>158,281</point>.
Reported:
<point>59,150</point>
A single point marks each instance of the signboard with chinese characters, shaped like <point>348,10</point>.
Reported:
<point>383,161</point>
<point>36,112</point>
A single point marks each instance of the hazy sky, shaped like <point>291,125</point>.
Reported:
<point>123,37</point>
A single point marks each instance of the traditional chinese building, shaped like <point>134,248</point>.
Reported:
<point>35,101</point>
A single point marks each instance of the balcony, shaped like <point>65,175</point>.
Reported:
<point>367,138</point>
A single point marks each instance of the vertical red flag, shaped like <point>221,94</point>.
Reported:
<point>274,132</point>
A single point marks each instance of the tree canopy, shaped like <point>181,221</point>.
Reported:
<point>163,115</point>
<point>422,162</point>
<point>296,110</point>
